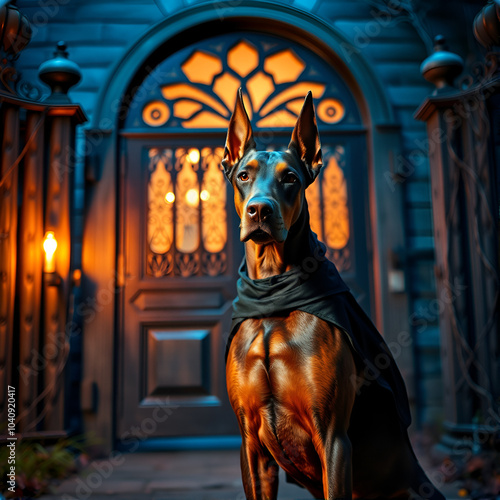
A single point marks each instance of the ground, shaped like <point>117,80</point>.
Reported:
<point>182,475</point>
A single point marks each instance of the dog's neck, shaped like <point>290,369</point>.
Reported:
<point>264,261</point>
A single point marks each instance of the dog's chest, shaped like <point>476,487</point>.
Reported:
<point>273,361</point>
<point>275,378</point>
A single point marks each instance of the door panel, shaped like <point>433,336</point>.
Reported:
<point>176,361</point>
<point>176,301</point>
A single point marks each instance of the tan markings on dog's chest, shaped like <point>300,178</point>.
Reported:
<point>279,387</point>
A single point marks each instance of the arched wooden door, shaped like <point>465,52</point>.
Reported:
<point>179,230</point>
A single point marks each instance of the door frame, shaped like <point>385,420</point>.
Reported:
<point>102,269</point>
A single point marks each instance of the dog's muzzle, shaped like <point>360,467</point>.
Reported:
<point>262,222</point>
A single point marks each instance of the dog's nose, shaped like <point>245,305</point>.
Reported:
<point>259,211</point>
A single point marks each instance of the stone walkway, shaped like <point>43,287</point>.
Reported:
<point>183,475</point>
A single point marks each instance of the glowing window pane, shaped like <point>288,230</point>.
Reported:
<point>331,110</point>
<point>335,207</point>
<point>243,58</point>
<point>202,67</point>
<point>186,109</point>
<point>274,75</point>
<point>160,212</point>
<point>285,66</point>
<point>278,119</point>
<point>213,205</point>
<point>155,113</point>
<point>260,87</point>
<point>187,230</point>
<point>226,86</point>
<point>294,92</point>
<point>185,90</point>
<point>206,119</point>
<point>314,205</point>
<point>295,105</point>
<point>193,155</point>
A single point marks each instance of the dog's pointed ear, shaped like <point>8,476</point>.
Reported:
<point>305,138</point>
<point>239,137</point>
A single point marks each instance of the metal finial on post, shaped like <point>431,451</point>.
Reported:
<point>60,74</point>
<point>15,34</point>
<point>487,25</point>
<point>442,66</point>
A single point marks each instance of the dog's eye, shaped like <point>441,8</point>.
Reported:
<point>289,178</point>
<point>243,176</point>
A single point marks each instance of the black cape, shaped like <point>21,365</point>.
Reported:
<point>317,288</point>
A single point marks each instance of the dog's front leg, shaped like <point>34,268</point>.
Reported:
<point>337,467</point>
<point>259,471</point>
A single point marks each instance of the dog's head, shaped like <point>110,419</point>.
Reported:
<point>269,187</point>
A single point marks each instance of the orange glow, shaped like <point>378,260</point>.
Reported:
<point>295,106</point>
<point>314,205</point>
<point>178,90</point>
<point>285,66</point>
<point>260,87</point>
<point>213,194</point>
<point>192,197</point>
<point>293,92</point>
<point>280,118</point>
<point>160,209</point>
<point>194,155</point>
<point>49,246</point>
<point>331,110</point>
<point>243,58</point>
<point>187,216</point>
<point>155,113</point>
<point>335,207</point>
<point>186,109</point>
<point>226,86</point>
<point>202,67</point>
<point>206,119</point>
<point>208,69</point>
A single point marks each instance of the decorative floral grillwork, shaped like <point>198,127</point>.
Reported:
<point>274,83</point>
<point>186,219</point>
<point>213,196</point>
<point>160,214</point>
<point>193,91</point>
<point>328,203</point>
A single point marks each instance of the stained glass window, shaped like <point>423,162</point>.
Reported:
<point>187,227</point>
<point>196,87</point>
<point>328,203</point>
<point>192,92</point>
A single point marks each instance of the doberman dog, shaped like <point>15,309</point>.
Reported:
<point>294,379</point>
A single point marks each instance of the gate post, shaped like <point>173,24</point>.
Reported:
<point>60,74</point>
<point>464,163</point>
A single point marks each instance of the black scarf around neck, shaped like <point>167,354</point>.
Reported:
<point>316,287</point>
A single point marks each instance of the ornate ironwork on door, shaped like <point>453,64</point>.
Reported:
<point>193,92</point>
<point>187,220</point>
<point>196,87</point>
<point>328,202</point>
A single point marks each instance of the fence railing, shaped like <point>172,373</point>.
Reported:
<point>36,177</point>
